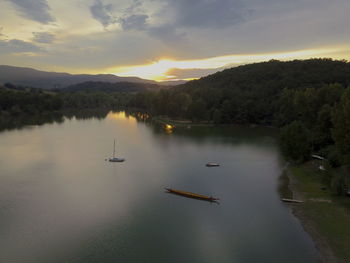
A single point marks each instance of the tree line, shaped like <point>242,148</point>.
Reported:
<point>17,100</point>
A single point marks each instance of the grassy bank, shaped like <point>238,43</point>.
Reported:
<point>324,215</point>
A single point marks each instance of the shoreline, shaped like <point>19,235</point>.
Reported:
<point>326,253</point>
<point>186,123</point>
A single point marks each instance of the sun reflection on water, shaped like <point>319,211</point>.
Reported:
<point>121,115</point>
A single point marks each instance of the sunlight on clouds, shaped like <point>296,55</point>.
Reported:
<point>155,70</point>
<point>27,54</point>
<point>158,70</point>
<point>71,19</point>
<point>15,26</point>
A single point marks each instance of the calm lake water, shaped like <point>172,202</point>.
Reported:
<point>60,201</point>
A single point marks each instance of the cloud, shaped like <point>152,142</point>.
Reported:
<point>135,17</point>
<point>134,22</point>
<point>135,7</point>
<point>37,10</point>
<point>102,13</point>
<point>2,35</point>
<point>173,19</point>
<point>208,13</point>
<point>17,46</point>
<point>167,32</point>
<point>43,37</point>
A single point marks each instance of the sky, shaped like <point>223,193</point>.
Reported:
<point>168,39</point>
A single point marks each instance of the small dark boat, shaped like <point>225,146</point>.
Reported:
<point>212,165</point>
<point>192,195</point>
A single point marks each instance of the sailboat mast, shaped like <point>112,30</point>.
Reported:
<point>114,149</point>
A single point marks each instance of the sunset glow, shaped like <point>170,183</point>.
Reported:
<point>161,70</point>
<point>166,40</point>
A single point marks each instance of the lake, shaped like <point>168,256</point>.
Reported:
<point>61,201</point>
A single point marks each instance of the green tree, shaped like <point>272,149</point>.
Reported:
<point>295,141</point>
<point>226,111</point>
<point>330,94</point>
<point>217,116</point>
<point>178,106</point>
<point>197,110</point>
<point>323,136</point>
<point>287,111</point>
<point>341,130</point>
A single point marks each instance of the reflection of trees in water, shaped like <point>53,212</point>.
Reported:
<point>20,121</point>
<point>219,134</point>
<point>9,123</point>
<point>87,114</point>
<point>224,135</point>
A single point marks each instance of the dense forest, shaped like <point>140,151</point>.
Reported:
<point>18,100</point>
<point>95,86</point>
<point>20,106</point>
<point>308,99</point>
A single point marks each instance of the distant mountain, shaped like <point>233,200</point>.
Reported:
<point>93,86</point>
<point>50,80</point>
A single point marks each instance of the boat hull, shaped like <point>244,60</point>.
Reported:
<point>212,165</point>
<point>116,160</point>
<point>192,195</point>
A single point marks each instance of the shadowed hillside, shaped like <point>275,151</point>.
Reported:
<point>93,86</point>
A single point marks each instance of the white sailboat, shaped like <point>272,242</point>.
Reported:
<point>115,159</point>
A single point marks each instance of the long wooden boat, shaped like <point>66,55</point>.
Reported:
<point>212,165</point>
<point>192,195</point>
<point>291,200</point>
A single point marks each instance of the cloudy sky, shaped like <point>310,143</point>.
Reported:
<point>168,39</point>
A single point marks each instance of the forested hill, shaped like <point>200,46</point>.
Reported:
<point>271,92</point>
<point>311,95</point>
<point>98,86</point>
<point>264,93</point>
<point>275,75</point>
